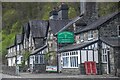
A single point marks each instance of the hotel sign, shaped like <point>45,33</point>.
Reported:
<point>65,37</point>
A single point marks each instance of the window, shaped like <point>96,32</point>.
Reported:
<point>39,58</point>
<point>70,59</point>
<point>74,61</point>
<point>90,35</point>
<point>118,30</point>
<point>104,55</point>
<point>65,61</point>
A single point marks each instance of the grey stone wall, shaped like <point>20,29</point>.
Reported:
<point>117,61</point>
<point>104,68</point>
<point>112,63</point>
<point>109,28</point>
<point>73,71</point>
<point>39,68</point>
<point>11,70</point>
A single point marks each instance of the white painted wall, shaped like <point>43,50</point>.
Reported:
<point>11,61</point>
<point>19,59</point>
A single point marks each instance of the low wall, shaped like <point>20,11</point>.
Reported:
<point>71,71</point>
<point>39,68</point>
<point>11,70</point>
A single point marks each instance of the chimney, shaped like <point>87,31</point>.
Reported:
<point>90,11</point>
<point>53,14</point>
<point>63,11</point>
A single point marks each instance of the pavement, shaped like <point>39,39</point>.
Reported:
<point>56,76</point>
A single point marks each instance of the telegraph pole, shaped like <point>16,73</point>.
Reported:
<point>17,67</point>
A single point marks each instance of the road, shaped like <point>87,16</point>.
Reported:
<point>55,76</point>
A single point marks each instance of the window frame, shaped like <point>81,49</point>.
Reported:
<point>70,55</point>
<point>38,57</point>
<point>104,55</point>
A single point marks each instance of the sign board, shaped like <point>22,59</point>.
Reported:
<point>65,37</point>
<point>51,68</point>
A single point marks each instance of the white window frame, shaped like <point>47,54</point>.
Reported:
<point>40,58</point>
<point>118,30</point>
<point>104,55</point>
<point>70,55</point>
<point>90,35</point>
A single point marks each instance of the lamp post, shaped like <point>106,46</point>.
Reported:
<point>17,67</point>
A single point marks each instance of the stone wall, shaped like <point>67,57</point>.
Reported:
<point>39,68</point>
<point>11,70</point>
<point>117,61</point>
<point>109,29</point>
<point>112,63</point>
<point>73,71</point>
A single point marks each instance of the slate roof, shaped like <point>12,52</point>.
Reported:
<point>70,23</point>
<point>38,28</point>
<point>99,22</point>
<point>111,41</point>
<point>57,25</point>
<point>39,49</point>
<point>76,46</point>
<point>38,42</point>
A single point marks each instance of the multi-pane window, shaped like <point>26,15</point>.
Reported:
<point>118,30</point>
<point>39,58</point>
<point>104,56</point>
<point>105,51</point>
<point>70,59</point>
<point>65,61</point>
<point>90,35</point>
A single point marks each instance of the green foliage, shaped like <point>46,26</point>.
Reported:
<point>107,8</point>
<point>49,54</point>
<point>26,54</point>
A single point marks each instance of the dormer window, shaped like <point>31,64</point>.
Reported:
<point>90,35</point>
<point>118,30</point>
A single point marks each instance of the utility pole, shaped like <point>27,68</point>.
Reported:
<point>57,57</point>
<point>17,67</point>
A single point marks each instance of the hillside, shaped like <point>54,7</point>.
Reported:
<point>16,14</point>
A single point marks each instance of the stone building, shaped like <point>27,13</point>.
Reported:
<point>97,40</point>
